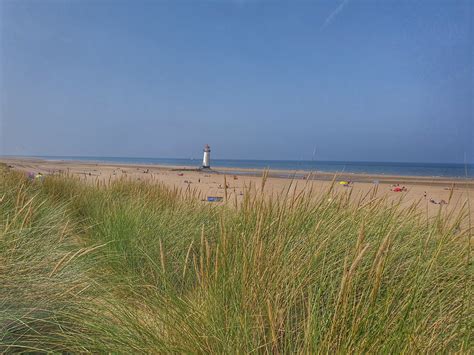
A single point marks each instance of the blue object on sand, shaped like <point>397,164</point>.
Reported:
<point>214,198</point>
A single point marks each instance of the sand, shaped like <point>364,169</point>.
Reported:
<point>211,183</point>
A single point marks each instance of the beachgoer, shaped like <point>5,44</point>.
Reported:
<point>39,177</point>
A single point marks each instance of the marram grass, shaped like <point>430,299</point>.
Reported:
<point>135,267</point>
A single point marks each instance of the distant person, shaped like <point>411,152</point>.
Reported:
<point>39,177</point>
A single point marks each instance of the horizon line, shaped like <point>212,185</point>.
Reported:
<point>237,159</point>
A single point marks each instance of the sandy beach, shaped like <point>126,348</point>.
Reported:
<point>422,190</point>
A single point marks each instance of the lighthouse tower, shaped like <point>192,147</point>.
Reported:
<point>206,160</point>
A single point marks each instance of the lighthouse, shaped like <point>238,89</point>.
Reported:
<point>206,159</point>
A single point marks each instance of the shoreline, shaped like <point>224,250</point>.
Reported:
<point>161,162</point>
<point>461,182</point>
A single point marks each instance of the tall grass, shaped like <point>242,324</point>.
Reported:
<point>135,267</point>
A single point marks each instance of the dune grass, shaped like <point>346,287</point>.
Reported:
<point>135,267</point>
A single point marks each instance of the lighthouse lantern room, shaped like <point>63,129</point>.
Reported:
<point>206,160</point>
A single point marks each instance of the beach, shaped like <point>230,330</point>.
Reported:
<point>147,258</point>
<point>428,192</point>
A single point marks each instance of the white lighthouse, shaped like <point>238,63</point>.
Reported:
<point>206,159</point>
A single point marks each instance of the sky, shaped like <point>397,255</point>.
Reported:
<point>355,80</point>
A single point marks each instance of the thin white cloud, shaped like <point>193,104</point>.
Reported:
<point>333,14</point>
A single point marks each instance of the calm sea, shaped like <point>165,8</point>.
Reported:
<point>415,169</point>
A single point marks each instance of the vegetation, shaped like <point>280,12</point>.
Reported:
<point>136,267</point>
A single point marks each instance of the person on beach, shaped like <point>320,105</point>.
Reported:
<point>442,202</point>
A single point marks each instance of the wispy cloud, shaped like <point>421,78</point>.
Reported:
<point>333,14</point>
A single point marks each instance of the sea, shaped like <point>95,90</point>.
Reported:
<point>382,168</point>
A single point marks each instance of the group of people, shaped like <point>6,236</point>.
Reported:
<point>345,183</point>
<point>398,188</point>
<point>442,202</point>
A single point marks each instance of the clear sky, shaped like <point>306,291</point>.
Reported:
<point>358,80</point>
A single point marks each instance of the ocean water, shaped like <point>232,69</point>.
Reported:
<point>383,168</point>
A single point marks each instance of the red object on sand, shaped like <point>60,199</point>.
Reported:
<point>397,189</point>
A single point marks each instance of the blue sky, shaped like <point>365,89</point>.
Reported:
<point>359,80</point>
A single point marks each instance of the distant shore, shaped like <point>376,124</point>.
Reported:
<point>284,167</point>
